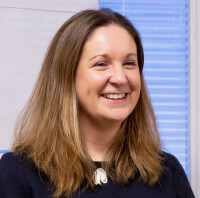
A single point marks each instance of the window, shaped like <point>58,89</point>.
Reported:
<point>164,28</point>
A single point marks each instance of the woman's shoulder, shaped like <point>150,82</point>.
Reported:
<point>172,165</point>
<point>12,176</point>
<point>15,166</point>
<point>19,166</point>
<point>170,160</point>
<point>10,157</point>
<point>175,173</point>
<point>19,177</point>
<point>10,162</point>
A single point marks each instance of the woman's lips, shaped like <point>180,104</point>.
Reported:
<point>115,98</point>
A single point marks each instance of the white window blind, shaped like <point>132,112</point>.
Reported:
<point>164,29</point>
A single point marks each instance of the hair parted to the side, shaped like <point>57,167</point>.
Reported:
<point>47,131</point>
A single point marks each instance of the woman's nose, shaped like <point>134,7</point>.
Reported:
<point>118,76</point>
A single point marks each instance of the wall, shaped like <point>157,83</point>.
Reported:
<point>195,95</point>
<point>26,30</point>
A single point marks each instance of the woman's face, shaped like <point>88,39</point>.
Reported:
<point>108,78</point>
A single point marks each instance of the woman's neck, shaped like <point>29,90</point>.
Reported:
<point>97,136</point>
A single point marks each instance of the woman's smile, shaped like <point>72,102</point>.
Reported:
<point>115,98</point>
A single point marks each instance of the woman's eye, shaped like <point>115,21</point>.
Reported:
<point>130,63</point>
<point>100,64</point>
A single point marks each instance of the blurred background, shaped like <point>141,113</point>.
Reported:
<point>170,32</point>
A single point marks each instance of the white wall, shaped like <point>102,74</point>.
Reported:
<point>195,95</point>
<point>26,28</point>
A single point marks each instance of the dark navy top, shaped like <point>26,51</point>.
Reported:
<point>19,178</point>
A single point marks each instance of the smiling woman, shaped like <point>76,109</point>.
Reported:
<point>88,129</point>
<point>109,67</point>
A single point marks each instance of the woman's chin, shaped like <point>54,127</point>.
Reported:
<point>116,118</point>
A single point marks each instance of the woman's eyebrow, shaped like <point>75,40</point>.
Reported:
<point>131,54</point>
<point>103,55</point>
<point>106,55</point>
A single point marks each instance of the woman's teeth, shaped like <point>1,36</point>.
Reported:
<point>114,96</point>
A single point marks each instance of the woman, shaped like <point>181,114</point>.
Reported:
<point>88,129</point>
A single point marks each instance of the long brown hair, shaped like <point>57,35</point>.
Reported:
<point>47,131</point>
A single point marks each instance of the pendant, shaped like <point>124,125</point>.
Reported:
<point>100,176</point>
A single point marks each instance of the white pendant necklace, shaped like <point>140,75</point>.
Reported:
<point>100,176</point>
